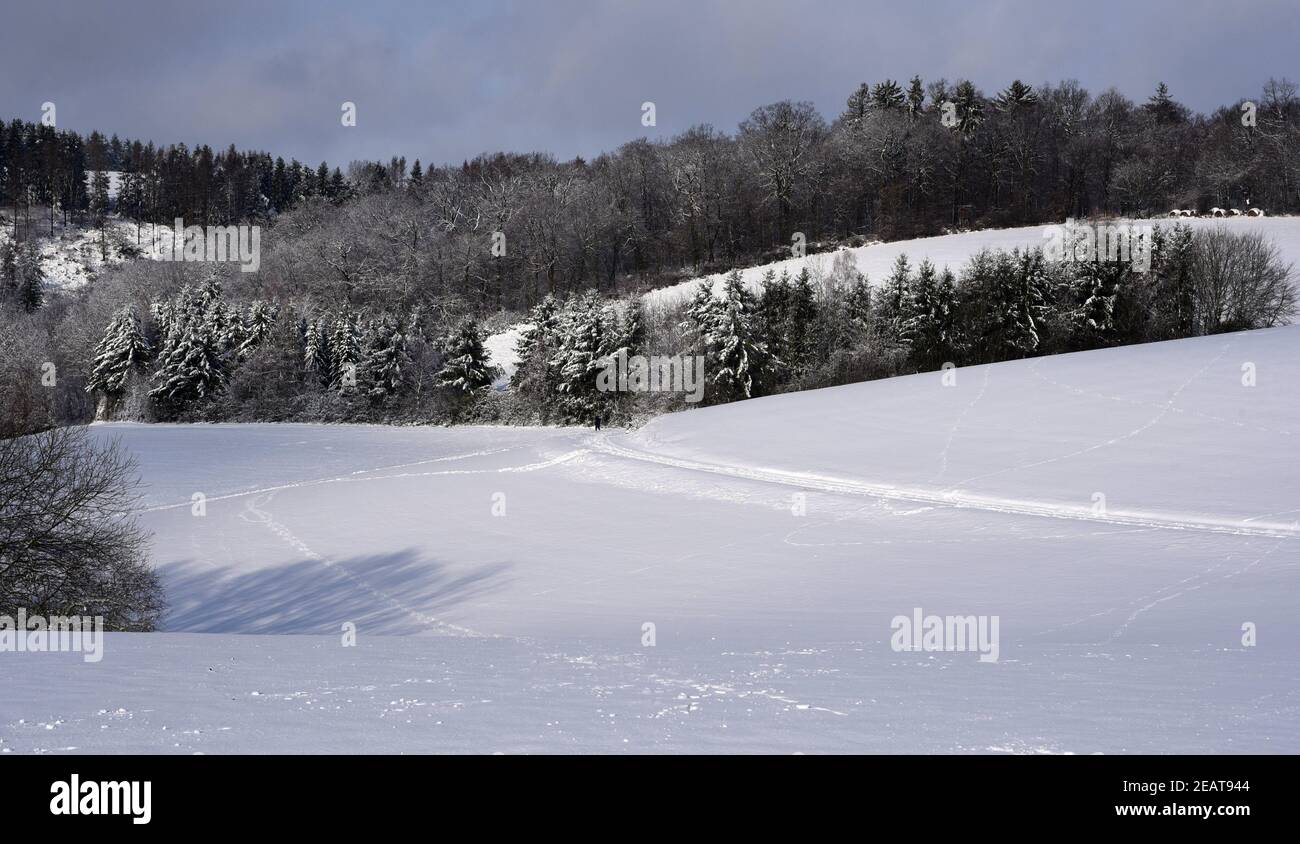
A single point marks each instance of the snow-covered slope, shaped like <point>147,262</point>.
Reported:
<point>1167,431</point>
<point>954,250</point>
<point>502,352</point>
<point>501,579</point>
<point>73,254</point>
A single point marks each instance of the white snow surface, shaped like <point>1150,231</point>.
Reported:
<point>1120,627</point>
<point>502,352</point>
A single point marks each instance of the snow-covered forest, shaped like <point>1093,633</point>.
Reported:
<point>379,287</point>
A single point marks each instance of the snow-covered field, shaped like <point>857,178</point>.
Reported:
<point>1123,513</point>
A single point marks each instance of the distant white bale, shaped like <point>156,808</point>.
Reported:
<point>1255,212</point>
<point>1175,213</point>
<point>1236,212</point>
<point>1218,212</point>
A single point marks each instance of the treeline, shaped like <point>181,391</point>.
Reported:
<point>48,173</point>
<point>415,256</point>
<point>197,357</point>
<point>900,160</point>
<point>503,231</point>
<point>816,331</point>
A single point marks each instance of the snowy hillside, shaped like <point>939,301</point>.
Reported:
<point>503,354</point>
<point>954,250</point>
<point>73,255</point>
<point>501,579</point>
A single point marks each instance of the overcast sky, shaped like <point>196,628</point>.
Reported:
<point>443,81</point>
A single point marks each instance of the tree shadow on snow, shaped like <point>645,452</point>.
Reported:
<point>394,593</point>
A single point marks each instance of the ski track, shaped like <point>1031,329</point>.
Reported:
<point>352,478</point>
<point>953,498</point>
<point>884,493</point>
<point>484,453</point>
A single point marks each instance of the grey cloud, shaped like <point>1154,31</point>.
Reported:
<point>446,81</point>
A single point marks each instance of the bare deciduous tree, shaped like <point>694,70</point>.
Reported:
<point>1241,282</point>
<point>69,541</point>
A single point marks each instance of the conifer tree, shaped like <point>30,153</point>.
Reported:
<point>701,312</point>
<point>970,108</point>
<point>1097,314</point>
<point>1173,297</point>
<point>1009,291</point>
<point>122,350</point>
<point>466,366</point>
<point>338,187</point>
<point>774,310</point>
<point>634,330</point>
<point>857,105</point>
<point>797,347</point>
<point>386,360</point>
<point>585,341</point>
<point>892,303</point>
<point>857,301</point>
<point>534,349</point>
<point>163,315</point>
<point>915,97</point>
<point>1163,107</point>
<point>1017,95</point>
<point>345,351</point>
<point>193,370</point>
<point>741,365</point>
<point>99,208</point>
<point>929,325</point>
<point>31,278</point>
<point>887,96</point>
<point>256,326</point>
<point>223,324</point>
<point>316,350</point>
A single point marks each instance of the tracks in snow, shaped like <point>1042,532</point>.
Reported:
<point>254,512</point>
<point>363,476</point>
<point>601,443</point>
